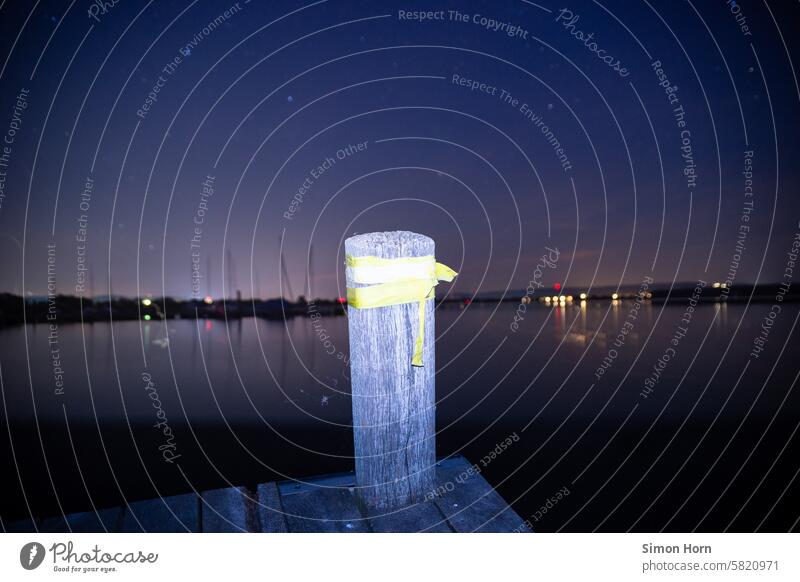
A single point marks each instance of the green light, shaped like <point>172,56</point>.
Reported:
<point>147,317</point>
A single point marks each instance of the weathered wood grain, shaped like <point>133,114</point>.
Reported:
<point>228,510</point>
<point>271,517</point>
<point>393,401</point>
<point>324,510</point>
<point>470,503</point>
<point>341,480</point>
<point>420,517</point>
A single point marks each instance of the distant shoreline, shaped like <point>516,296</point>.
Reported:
<point>14,310</point>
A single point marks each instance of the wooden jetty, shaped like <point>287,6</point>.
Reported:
<point>464,502</point>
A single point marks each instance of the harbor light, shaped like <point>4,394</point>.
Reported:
<point>583,296</point>
<point>147,317</point>
<point>716,285</point>
<point>555,298</point>
<point>569,298</point>
<point>615,296</point>
<point>562,299</point>
<point>208,300</point>
<point>547,299</point>
<point>147,302</point>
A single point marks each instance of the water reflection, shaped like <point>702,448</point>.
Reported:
<point>287,373</point>
<point>255,400</point>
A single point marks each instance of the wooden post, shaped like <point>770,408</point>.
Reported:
<point>393,401</point>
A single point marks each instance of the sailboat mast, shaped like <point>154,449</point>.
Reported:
<point>284,272</point>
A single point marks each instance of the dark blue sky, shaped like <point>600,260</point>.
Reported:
<point>259,98</point>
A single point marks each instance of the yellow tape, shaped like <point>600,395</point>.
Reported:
<point>396,282</point>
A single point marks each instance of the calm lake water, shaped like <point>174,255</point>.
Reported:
<point>250,401</point>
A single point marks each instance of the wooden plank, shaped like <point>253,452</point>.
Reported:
<point>393,401</point>
<point>464,502</point>
<point>323,509</point>
<point>229,510</point>
<point>177,513</point>
<point>421,517</point>
<point>341,480</point>
<point>104,520</point>
<point>271,518</point>
<point>470,503</point>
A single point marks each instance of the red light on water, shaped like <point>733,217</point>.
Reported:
<point>342,300</point>
<point>557,286</point>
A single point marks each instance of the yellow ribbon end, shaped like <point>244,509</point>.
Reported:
<point>445,273</point>
<point>416,359</point>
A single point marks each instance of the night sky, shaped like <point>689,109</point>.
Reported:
<point>159,143</point>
